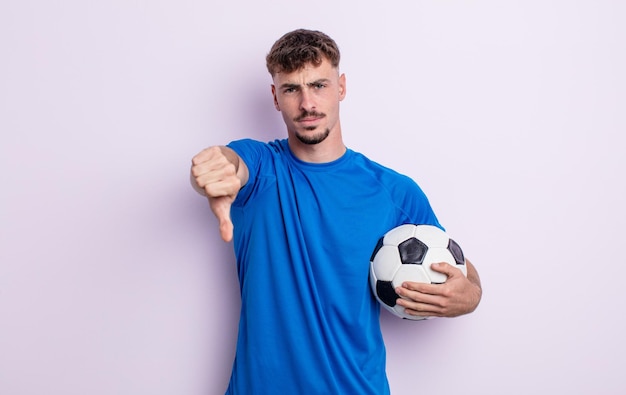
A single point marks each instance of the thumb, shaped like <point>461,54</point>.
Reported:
<point>221,208</point>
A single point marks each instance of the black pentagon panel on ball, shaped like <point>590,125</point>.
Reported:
<point>386,293</point>
<point>456,252</point>
<point>412,251</point>
<point>379,245</point>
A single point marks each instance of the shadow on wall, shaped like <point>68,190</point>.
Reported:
<point>218,312</point>
<point>262,121</point>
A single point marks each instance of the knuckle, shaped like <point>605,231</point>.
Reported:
<point>210,190</point>
<point>230,169</point>
<point>196,171</point>
<point>213,149</point>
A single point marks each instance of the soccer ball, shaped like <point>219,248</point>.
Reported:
<point>405,253</point>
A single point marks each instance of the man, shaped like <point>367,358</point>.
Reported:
<point>307,213</point>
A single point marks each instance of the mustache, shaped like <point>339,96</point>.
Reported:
<point>309,114</point>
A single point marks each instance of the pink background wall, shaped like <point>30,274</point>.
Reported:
<point>510,115</point>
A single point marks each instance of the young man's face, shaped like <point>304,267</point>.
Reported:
<point>309,101</point>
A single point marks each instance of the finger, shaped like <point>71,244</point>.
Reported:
<point>221,209</point>
<point>206,155</point>
<point>216,177</point>
<point>217,165</point>
<point>218,187</point>
<point>219,175</point>
<point>413,290</point>
<point>430,301</point>
<point>441,267</point>
<point>446,268</point>
<point>416,298</point>
<point>419,308</point>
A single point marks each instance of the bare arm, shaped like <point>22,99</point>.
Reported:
<point>472,275</point>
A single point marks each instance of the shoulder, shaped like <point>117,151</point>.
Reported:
<point>251,145</point>
<point>379,171</point>
<point>404,192</point>
<point>401,188</point>
<point>254,152</point>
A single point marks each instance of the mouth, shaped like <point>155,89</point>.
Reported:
<point>309,121</point>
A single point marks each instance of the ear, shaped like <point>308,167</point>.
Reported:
<point>275,99</point>
<point>342,87</point>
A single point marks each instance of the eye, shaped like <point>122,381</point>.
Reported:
<point>290,89</point>
<point>319,85</point>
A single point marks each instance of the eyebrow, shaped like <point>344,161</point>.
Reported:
<point>292,85</point>
<point>289,85</point>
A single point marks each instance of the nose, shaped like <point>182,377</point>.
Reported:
<point>306,101</point>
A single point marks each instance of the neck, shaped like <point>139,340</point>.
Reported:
<point>332,148</point>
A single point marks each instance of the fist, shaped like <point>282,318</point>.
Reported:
<point>214,171</point>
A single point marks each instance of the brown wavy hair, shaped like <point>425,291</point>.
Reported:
<point>300,47</point>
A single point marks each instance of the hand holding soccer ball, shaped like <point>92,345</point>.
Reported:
<point>428,262</point>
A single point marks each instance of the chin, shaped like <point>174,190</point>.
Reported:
<point>312,138</point>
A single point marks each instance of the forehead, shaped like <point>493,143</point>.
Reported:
<point>307,74</point>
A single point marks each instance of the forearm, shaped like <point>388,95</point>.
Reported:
<point>472,273</point>
<point>474,278</point>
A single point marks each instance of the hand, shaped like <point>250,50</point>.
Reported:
<point>457,296</point>
<point>215,174</point>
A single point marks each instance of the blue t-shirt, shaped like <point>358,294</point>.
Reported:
<point>303,237</point>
